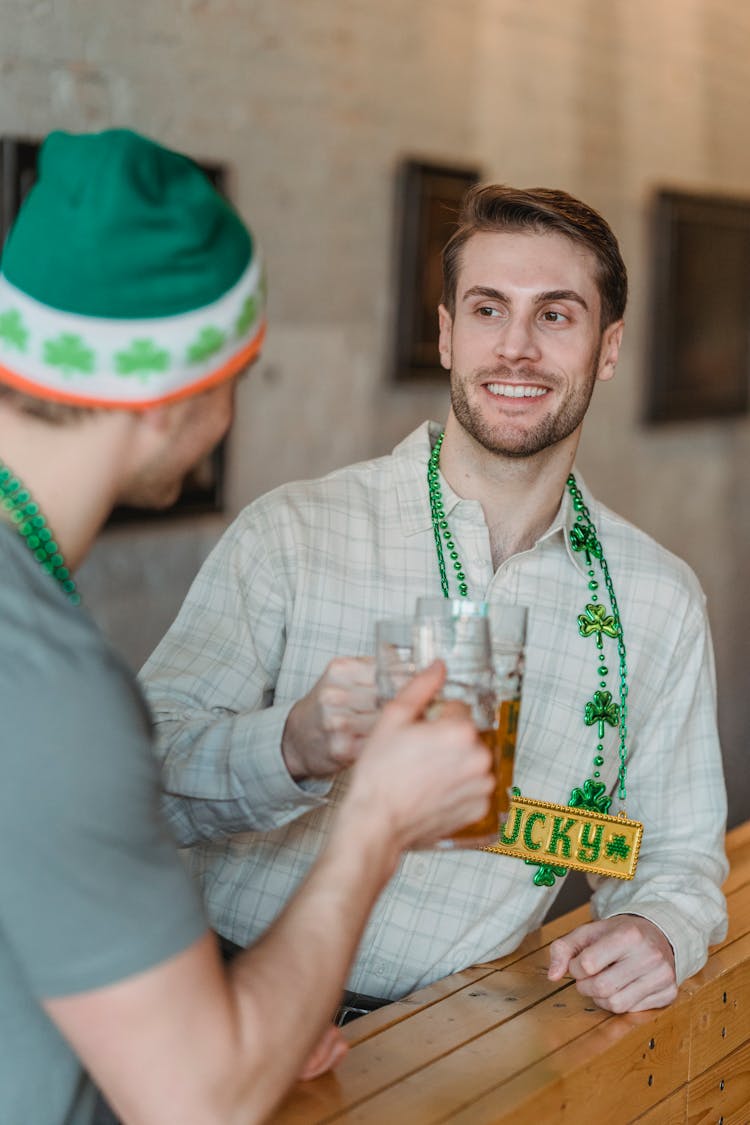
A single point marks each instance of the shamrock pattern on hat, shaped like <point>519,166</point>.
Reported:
<point>209,341</point>
<point>13,330</point>
<point>142,358</point>
<point>247,316</point>
<point>70,353</point>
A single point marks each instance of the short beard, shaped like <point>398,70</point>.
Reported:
<point>508,441</point>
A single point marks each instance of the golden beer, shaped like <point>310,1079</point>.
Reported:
<point>501,742</point>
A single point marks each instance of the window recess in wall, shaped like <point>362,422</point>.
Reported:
<point>427,204</point>
<point>700,343</point>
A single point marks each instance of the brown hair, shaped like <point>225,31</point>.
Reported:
<point>55,413</point>
<point>495,207</point>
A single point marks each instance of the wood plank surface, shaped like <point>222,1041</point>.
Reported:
<point>431,1032</point>
<point>722,1092</point>
<point>443,1087</point>
<point>672,1111</point>
<point>627,1065</point>
<point>720,996</point>
<point>497,1041</point>
<point>705,1023</point>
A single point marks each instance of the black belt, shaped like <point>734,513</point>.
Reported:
<point>356,1004</point>
<point>352,1006</point>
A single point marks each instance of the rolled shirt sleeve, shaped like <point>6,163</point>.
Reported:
<point>211,686</point>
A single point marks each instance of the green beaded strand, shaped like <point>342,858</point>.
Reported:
<point>583,537</point>
<point>440,525</point>
<point>23,512</point>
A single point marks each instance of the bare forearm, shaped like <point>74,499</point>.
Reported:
<point>189,1042</point>
<point>289,982</point>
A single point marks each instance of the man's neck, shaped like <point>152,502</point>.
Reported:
<point>70,470</point>
<point>520,497</point>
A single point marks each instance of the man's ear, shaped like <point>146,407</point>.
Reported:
<point>610,350</point>
<point>160,418</point>
<point>153,427</point>
<point>445,340</point>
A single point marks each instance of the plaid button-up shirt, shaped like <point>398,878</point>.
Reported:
<point>301,577</point>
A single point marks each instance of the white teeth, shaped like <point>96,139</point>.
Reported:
<point>509,390</point>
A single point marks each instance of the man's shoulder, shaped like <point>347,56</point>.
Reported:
<point>35,614</point>
<point>54,653</point>
<point>638,556</point>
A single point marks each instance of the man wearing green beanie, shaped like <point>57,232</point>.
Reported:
<point>131,296</point>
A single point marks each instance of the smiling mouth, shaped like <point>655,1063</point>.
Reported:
<point>514,390</point>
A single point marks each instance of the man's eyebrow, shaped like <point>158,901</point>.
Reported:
<point>484,291</point>
<point>561,295</point>
<point>491,294</point>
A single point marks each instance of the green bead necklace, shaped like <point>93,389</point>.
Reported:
<point>594,622</point>
<point>24,513</point>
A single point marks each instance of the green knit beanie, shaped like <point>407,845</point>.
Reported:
<point>126,280</point>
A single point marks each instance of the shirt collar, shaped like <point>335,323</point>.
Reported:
<point>565,521</point>
<point>410,459</point>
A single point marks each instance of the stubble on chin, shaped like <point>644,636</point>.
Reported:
<point>518,439</point>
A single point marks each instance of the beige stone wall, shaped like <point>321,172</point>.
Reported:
<point>312,103</point>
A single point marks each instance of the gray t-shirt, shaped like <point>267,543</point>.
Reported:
<point>91,886</point>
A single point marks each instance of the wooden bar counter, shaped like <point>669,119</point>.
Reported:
<point>499,1043</point>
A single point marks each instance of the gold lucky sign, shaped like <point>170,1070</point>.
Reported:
<point>558,837</point>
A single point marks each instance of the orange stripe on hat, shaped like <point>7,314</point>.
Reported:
<point>233,367</point>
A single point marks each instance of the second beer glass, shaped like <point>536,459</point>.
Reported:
<point>462,642</point>
<point>497,656</point>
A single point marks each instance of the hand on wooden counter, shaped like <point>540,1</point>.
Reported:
<point>624,963</point>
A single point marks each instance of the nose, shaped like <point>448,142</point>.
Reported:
<point>516,340</point>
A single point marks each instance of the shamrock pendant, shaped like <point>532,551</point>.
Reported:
<point>582,836</point>
<point>592,795</point>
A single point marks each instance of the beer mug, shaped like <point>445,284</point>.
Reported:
<point>496,719</point>
<point>462,642</point>
<point>394,658</point>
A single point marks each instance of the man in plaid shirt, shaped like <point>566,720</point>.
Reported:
<point>263,687</point>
